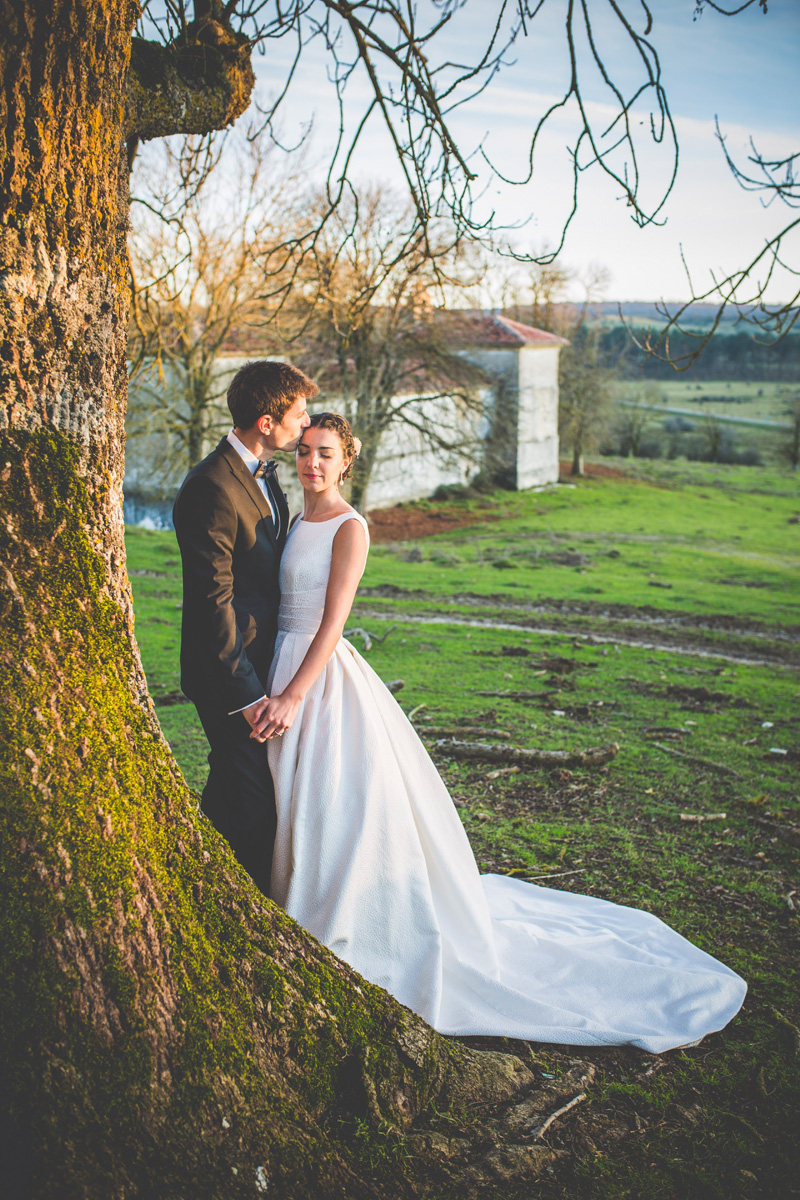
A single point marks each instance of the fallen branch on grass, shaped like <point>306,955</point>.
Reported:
<point>514,695</point>
<point>592,756</point>
<point>667,731</point>
<point>700,817</point>
<point>368,637</point>
<point>502,771</point>
<point>477,730</point>
<point>395,685</point>
<point>551,875</point>
<point>701,762</point>
<point>540,1130</point>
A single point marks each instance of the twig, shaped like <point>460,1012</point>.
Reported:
<point>416,710</point>
<point>540,1130</point>
<point>592,756</point>
<point>551,875</point>
<point>790,1028</point>
<point>514,695</point>
<point>479,730</point>
<point>395,685</point>
<point>700,817</point>
<point>701,762</point>
<point>502,771</point>
<point>673,729</point>
<point>383,636</point>
<point>368,637</point>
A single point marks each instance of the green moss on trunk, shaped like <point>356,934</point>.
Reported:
<point>165,1030</point>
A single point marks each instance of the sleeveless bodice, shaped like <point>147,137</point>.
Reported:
<point>305,567</point>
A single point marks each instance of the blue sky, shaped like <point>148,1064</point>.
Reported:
<point>742,68</point>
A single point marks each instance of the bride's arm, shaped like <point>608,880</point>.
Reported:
<point>347,566</point>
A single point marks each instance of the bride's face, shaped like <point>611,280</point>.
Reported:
<point>320,459</point>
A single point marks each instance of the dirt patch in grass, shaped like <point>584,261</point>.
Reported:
<point>405,522</point>
<point>590,470</point>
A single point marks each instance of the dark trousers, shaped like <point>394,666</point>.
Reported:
<point>239,798</point>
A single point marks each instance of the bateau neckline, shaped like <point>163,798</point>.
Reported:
<point>350,512</point>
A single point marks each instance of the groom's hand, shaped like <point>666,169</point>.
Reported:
<point>254,714</point>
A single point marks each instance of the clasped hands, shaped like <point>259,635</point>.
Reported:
<point>272,716</point>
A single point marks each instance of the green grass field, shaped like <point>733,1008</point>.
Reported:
<point>664,615</point>
<point>759,400</point>
<point>752,417</point>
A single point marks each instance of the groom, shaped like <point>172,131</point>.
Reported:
<point>231,520</point>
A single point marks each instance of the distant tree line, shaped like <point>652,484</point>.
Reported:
<point>736,355</point>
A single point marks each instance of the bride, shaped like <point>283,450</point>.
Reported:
<point>371,856</point>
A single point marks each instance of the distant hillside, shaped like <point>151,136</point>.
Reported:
<point>645,312</point>
<point>634,312</point>
<point>735,354</point>
<point>736,350</point>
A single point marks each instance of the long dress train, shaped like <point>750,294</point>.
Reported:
<point>371,857</point>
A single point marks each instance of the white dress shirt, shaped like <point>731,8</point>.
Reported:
<point>251,462</point>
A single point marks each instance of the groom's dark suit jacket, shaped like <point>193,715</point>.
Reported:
<point>231,557</point>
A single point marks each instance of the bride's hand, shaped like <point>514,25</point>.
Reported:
<point>278,716</point>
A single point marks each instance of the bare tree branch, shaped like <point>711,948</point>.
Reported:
<point>746,289</point>
<point>198,286</point>
<point>416,88</point>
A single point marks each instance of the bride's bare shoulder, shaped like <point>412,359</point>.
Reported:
<point>351,534</point>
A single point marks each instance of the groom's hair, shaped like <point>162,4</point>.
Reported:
<point>266,388</point>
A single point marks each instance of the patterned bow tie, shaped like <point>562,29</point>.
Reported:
<point>265,469</point>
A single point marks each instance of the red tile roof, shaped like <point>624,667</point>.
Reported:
<point>474,327</point>
<point>462,327</point>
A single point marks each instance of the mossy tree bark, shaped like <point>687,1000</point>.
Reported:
<point>165,1031</point>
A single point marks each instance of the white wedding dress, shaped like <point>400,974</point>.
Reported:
<point>371,857</point>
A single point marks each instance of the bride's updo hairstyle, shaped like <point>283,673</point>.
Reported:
<point>341,427</point>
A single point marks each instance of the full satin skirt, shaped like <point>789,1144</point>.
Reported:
<point>371,857</point>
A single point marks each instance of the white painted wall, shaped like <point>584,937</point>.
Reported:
<point>519,426</point>
<point>537,416</point>
<point>408,469</point>
<point>527,428</point>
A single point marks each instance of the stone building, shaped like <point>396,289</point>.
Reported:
<point>514,438</point>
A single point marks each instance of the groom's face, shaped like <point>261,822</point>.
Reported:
<point>286,433</point>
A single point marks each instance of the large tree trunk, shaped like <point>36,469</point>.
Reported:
<point>165,1031</point>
